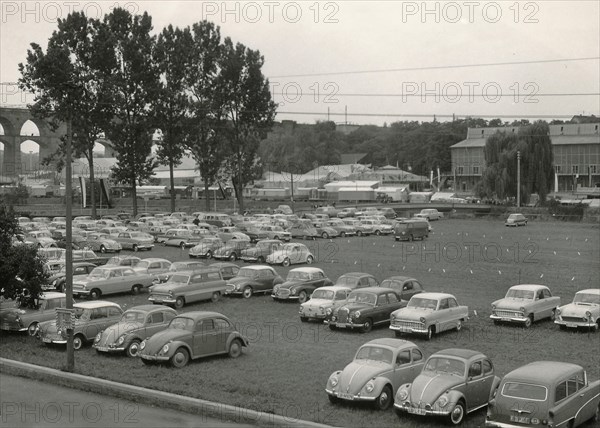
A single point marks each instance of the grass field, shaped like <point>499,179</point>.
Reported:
<point>285,369</point>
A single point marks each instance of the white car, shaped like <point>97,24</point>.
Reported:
<point>323,298</point>
<point>584,311</point>
<point>290,254</point>
<point>430,214</point>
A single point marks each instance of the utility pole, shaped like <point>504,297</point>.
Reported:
<point>69,250</point>
<point>518,178</point>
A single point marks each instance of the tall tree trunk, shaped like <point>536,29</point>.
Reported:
<point>172,183</point>
<point>90,157</point>
<point>134,196</point>
<point>206,196</point>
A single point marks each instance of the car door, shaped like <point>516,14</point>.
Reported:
<point>444,314</point>
<point>475,386</point>
<point>395,303</point>
<point>223,330</point>
<point>114,283</point>
<point>155,322</point>
<point>205,338</point>
<point>548,303</point>
<point>587,405</point>
<point>454,313</point>
<point>96,323</point>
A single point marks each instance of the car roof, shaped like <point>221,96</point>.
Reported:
<point>257,267</point>
<point>466,354</point>
<point>375,290</point>
<point>528,287</point>
<point>590,291</point>
<point>391,343</point>
<point>307,269</point>
<point>543,371</point>
<point>335,288</point>
<point>154,259</point>
<point>356,274</point>
<point>198,315</point>
<point>151,308</point>
<point>223,264</point>
<point>399,278</point>
<point>96,304</point>
<point>437,296</point>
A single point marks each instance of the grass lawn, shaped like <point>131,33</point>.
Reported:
<point>285,369</point>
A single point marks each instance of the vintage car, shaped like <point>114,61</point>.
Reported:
<point>253,279</point>
<point>290,254</point>
<point>355,280</point>
<point>178,267</point>
<point>260,251</point>
<point>453,383</point>
<point>303,230</point>
<point>89,256</point>
<point>300,283</point>
<point>57,281</point>
<point>134,240</point>
<point>359,226</point>
<point>228,270</point>
<point>110,280</point>
<point>583,312</point>
<point>102,242</point>
<point>324,231</point>
<point>135,325</point>
<point>322,301</point>
<point>404,285</point>
<point>232,250</point>
<point>377,371</point>
<point>347,212</point>
<point>193,335</point>
<point>430,214</point>
<point>275,232</point>
<point>429,314</point>
<point>152,266</point>
<point>525,304</point>
<point>40,238</point>
<point>189,286</point>
<point>516,220</point>
<point>206,248</point>
<point>378,227</point>
<point>123,261</point>
<point>545,393</point>
<point>409,230</point>
<point>183,238</point>
<point>26,317</point>
<point>365,308</point>
<point>90,319</point>
<point>342,228</point>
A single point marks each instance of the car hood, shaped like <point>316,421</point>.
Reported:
<point>578,310</point>
<point>428,386</point>
<point>512,304</point>
<point>160,339</point>
<point>316,303</point>
<point>412,313</point>
<point>55,277</point>
<point>291,284</point>
<point>87,280</point>
<point>353,307</point>
<point>356,374</point>
<point>10,314</point>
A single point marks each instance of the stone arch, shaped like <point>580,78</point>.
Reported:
<point>29,129</point>
<point>30,156</point>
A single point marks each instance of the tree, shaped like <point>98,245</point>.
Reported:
<point>206,119</point>
<point>537,158</point>
<point>71,66</point>
<point>247,106</point>
<point>171,105</point>
<point>20,265</point>
<point>127,48</point>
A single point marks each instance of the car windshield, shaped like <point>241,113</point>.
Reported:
<point>587,298</point>
<point>375,353</point>
<point>298,275</point>
<point>443,365</point>
<point>247,273</point>
<point>525,390</point>
<point>180,323</point>
<point>133,316</point>
<point>360,297</point>
<point>182,279</point>
<point>520,294</point>
<point>419,302</point>
<point>100,273</point>
<point>323,294</point>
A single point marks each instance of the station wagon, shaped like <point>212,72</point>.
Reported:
<point>187,287</point>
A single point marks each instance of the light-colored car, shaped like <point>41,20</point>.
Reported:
<point>152,266</point>
<point>123,261</point>
<point>516,220</point>
<point>378,227</point>
<point>275,232</point>
<point>232,250</point>
<point>110,280</point>
<point>430,214</point>
<point>135,325</point>
<point>429,314</point>
<point>347,212</point>
<point>303,229</point>
<point>24,317</point>
<point>545,393</point>
<point>525,304</point>
<point>133,240</point>
<point>354,280</point>
<point>90,319</point>
<point>342,228</point>
<point>206,248</point>
<point>300,284</point>
<point>102,242</point>
<point>260,251</point>
<point>193,335</point>
<point>583,312</point>
<point>324,231</point>
<point>189,286</point>
<point>322,300</point>
<point>290,254</point>
<point>179,267</point>
<point>377,371</point>
<point>183,238</point>
<point>360,227</point>
<point>41,238</point>
<point>453,383</point>
<point>253,279</point>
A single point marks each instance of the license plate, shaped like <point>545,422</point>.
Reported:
<point>46,340</point>
<point>102,348</point>
<point>345,396</point>
<point>340,325</point>
<point>416,411</point>
<point>570,324</point>
<point>505,319</point>
<point>520,419</point>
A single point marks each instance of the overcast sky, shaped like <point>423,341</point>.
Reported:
<point>316,48</point>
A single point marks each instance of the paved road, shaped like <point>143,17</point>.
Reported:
<point>29,403</point>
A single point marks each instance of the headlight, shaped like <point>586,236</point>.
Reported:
<point>370,386</point>
<point>558,311</point>
<point>98,337</point>
<point>588,314</point>
<point>522,309</point>
<point>403,394</point>
<point>121,339</point>
<point>165,349</point>
<point>237,286</point>
<point>142,345</point>
<point>293,291</point>
<point>357,314</point>
<point>227,252</point>
<point>275,289</point>
<point>322,309</point>
<point>442,401</point>
<point>334,381</point>
<point>329,311</point>
<point>422,319</point>
<point>493,307</point>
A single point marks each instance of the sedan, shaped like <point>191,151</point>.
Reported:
<point>524,304</point>
<point>290,254</point>
<point>253,279</point>
<point>102,242</point>
<point>300,284</point>
<point>323,300</point>
<point>25,317</point>
<point>583,312</point>
<point>516,220</point>
<point>405,286</point>
<point>193,335</point>
<point>132,240</point>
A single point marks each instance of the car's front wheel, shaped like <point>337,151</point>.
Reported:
<point>286,262</point>
<point>529,321</point>
<point>77,342</point>
<point>310,259</point>
<point>247,293</point>
<point>133,349</point>
<point>385,399</point>
<point>430,332</point>
<point>457,414</point>
<point>179,302</point>
<point>367,326</point>
<point>180,358</point>
<point>215,296</point>
<point>235,349</point>
<point>136,289</point>
<point>260,259</point>
<point>302,296</point>
<point>95,294</point>
<point>32,329</point>
<point>325,235</point>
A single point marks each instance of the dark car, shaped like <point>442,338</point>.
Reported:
<point>355,280</point>
<point>253,279</point>
<point>300,283</point>
<point>261,250</point>
<point>26,317</point>
<point>404,285</point>
<point>365,308</point>
<point>193,335</point>
<point>58,280</point>
<point>135,325</point>
<point>232,250</point>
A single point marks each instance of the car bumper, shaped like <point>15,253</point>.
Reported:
<point>154,358</point>
<point>290,297</point>
<point>492,424</point>
<point>79,292</point>
<point>576,324</point>
<point>109,349</point>
<point>8,326</point>
<point>404,329</point>
<point>344,324</point>
<point>54,339</point>
<point>420,410</point>
<point>509,319</point>
<point>249,258</point>
<point>168,300</point>
<point>313,315</point>
<point>348,397</point>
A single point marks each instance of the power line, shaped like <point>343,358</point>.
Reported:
<point>438,95</point>
<point>466,116</point>
<point>437,67</point>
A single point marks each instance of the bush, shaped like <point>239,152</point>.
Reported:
<point>566,212</point>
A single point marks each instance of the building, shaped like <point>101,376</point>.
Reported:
<point>576,149</point>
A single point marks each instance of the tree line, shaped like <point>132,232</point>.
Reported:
<point>111,77</point>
